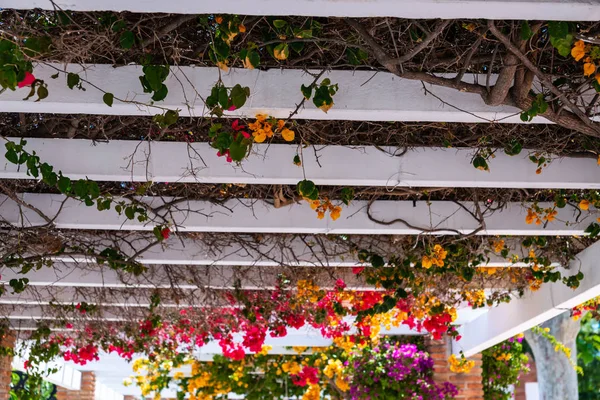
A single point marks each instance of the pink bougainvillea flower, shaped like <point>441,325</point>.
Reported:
<point>27,81</point>
<point>340,284</point>
<point>245,135</point>
<point>232,108</point>
<point>69,326</point>
<point>235,125</point>
<point>357,270</point>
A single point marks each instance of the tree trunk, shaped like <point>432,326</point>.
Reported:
<point>557,379</point>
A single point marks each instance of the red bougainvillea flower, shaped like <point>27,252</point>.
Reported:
<point>340,284</point>
<point>357,270</point>
<point>27,81</point>
<point>235,125</point>
<point>166,232</point>
<point>26,364</point>
<point>69,326</point>
<point>245,135</point>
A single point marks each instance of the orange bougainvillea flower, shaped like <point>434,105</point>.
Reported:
<point>219,20</point>
<point>242,28</point>
<point>584,205</point>
<point>223,65</point>
<point>325,107</point>
<point>335,212</point>
<point>578,50</point>
<point>288,135</point>
<point>589,69</point>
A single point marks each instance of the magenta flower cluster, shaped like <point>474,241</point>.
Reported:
<point>396,371</point>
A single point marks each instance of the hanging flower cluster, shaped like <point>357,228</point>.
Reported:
<point>265,127</point>
<point>503,365</point>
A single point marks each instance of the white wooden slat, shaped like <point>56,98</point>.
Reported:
<point>491,9</point>
<point>363,95</point>
<point>509,319</point>
<point>123,160</point>
<point>268,251</point>
<point>199,277</point>
<point>256,216</point>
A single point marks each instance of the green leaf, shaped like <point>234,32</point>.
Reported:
<point>480,163</point>
<point>513,148</point>
<point>563,45</point>
<point>130,212</point>
<point>297,46</point>
<point>161,93</point>
<point>558,29</point>
<point>596,86</point>
<point>127,40</point>
<point>347,195</point>
<point>223,97</point>
<point>308,189</point>
<point>64,184</point>
<point>526,32</point>
<point>377,261</point>
<point>108,99</point>
<point>42,92</point>
<point>11,155</point>
<point>72,80</point>
<point>238,96</point>
<point>279,23</point>
<point>238,149</point>
<point>306,91</point>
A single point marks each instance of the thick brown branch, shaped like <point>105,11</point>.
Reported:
<point>541,76</point>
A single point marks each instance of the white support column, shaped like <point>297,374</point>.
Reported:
<point>130,160</point>
<point>256,216</point>
<point>509,319</point>
<point>493,9</point>
<point>363,96</point>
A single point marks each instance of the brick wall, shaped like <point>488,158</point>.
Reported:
<point>5,366</point>
<point>468,384</point>
<point>531,376</point>
<point>87,392</point>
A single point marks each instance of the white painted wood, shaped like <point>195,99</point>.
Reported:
<point>519,315</point>
<point>269,251</point>
<point>362,95</point>
<point>200,277</point>
<point>532,391</point>
<point>531,9</point>
<point>255,216</point>
<point>126,160</point>
<point>66,377</point>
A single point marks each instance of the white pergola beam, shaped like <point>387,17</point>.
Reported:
<point>542,9</point>
<point>257,216</point>
<point>159,277</point>
<point>269,251</point>
<point>130,160</point>
<point>509,319</point>
<point>362,95</point>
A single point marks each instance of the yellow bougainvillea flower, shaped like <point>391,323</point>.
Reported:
<point>584,205</point>
<point>223,66</point>
<point>589,69</point>
<point>335,212</point>
<point>326,107</point>
<point>247,64</point>
<point>288,135</point>
<point>259,136</point>
<point>320,214</point>
<point>280,124</point>
<point>578,50</point>
<point>426,262</point>
<point>178,375</point>
<point>261,117</point>
<point>280,54</point>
